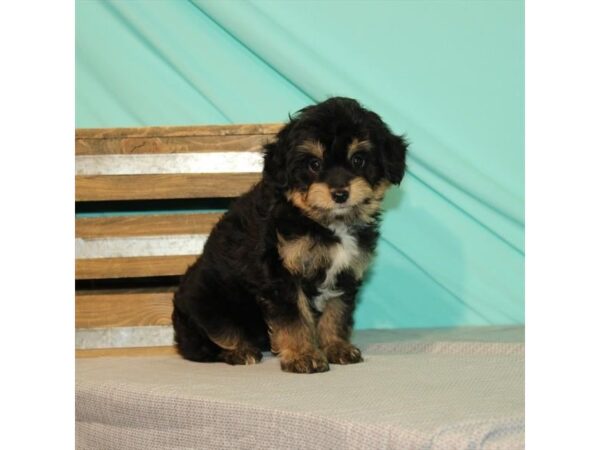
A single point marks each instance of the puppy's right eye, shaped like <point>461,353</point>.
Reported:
<point>314,164</point>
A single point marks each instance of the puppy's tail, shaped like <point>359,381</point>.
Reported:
<point>192,341</point>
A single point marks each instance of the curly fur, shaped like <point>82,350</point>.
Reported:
<point>282,268</point>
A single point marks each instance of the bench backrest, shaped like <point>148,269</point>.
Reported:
<point>128,261</point>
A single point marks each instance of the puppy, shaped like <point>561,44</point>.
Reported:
<point>282,268</point>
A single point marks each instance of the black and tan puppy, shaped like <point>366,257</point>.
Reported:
<point>283,266</point>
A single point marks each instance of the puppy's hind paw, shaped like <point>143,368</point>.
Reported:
<point>241,356</point>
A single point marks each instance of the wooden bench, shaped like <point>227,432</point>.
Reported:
<point>141,219</point>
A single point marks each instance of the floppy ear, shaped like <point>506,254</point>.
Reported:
<point>393,157</point>
<point>275,158</point>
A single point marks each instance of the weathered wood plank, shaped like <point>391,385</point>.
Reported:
<point>172,131</point>
<point>178,144</point>
<point>169,163</point>
<point>125,351</point>
<point>123,308</point>
<point>149,266</point>
<point>162,186</point>
<point>151,225</point>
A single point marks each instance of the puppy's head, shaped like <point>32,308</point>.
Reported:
<point>335,160</point>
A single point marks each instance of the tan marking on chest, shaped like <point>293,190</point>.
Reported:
<point>302,256</point>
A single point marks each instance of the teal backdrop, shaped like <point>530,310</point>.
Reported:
<point>449,74</point>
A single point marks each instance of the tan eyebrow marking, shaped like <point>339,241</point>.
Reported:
<point>313,147</point>
<point>356,146</point>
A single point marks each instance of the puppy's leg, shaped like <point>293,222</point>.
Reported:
<point>334,328</point>
<point>293,335</point>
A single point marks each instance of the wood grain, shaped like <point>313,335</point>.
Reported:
<point>125,351</point>
<point>150,225</point>
<point>178,144</point>
<point>163,186</point>
<point>172,131</point>
<point>149,266</point>
<point>123,308</point>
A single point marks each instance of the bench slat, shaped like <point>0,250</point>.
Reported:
<point>125,351</point>
<point>162,186</point>
<point>169,163</point>
<point>119,308</point>
<point>178,144</point>
<point>195,130</point>
<point>150,225</point>
<point>149,266</point>
<point>134,246</point>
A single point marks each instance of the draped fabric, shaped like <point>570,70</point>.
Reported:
<point>435,389</point>
<point>448,74</point>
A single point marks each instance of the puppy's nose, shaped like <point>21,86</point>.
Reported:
<point>340,195</point>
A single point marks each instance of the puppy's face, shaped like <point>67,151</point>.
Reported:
<point>335,160</point>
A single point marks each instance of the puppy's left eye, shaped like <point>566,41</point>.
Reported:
<point>358,161</point>
<point>314,164</point>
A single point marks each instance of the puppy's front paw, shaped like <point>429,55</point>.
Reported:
<point>343,353</point>
<point>305,363</point>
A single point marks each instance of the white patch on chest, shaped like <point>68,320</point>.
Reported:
<point>343,256</point>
